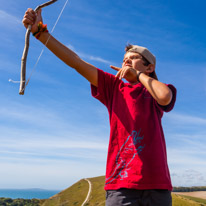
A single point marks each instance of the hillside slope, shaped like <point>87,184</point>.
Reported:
<point>76,194</point>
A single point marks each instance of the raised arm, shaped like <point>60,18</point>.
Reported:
<point>159,91</point>
<point>61,51</point>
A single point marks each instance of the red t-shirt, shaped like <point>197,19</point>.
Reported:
<point>137,157</point>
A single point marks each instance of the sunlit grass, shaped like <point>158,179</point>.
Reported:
<point>76,194</point>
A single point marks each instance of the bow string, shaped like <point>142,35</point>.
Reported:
<point>23,82</point>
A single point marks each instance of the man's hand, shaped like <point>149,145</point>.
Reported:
<point>127,73</point>
<point>32,18</point>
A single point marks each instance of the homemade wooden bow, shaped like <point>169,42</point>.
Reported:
<point>23,82</point>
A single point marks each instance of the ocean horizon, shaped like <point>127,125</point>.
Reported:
<point>27,193</point>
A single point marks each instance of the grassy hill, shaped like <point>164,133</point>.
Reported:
<point>179,200</point>
<point>76,194</point>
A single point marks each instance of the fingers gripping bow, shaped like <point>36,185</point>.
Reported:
<point>26,49</point>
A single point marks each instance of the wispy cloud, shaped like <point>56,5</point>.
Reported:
<point>52,149</point>
<point>185,135</point>
<point>39,132</point>
<point>47,119</point>
<point>7,19</point>
<point>182,161</point>
<point>98,59</point>
<point>27,114</point>
<point>90,57</point>
<point>188,177</point>
<point>186,156</point>
<point>57,143</point>
<point>49,158</point>
<point>8,66</point>
<point>179,118</point>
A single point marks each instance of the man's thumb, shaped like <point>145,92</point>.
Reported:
<point>39,17</point>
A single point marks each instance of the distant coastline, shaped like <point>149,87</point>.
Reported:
<point>28,193</point>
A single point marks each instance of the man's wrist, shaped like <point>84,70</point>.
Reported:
<point>138,75</point>
<point>42,28</point>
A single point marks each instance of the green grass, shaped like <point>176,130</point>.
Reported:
<point>73,196</point>
<point>179,200</point>
<point>76,194</point>
<point>97,196</point>
<point>196,199</point>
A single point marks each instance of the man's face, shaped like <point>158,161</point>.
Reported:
<point>134,60</point>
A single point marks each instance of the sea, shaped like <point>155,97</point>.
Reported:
<point>27,193</point>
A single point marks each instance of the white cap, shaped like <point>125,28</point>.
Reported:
<point>144,52</point>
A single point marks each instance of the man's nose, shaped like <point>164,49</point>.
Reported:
<point>127,60</point>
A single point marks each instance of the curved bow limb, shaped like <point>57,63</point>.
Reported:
<point>26,49</point>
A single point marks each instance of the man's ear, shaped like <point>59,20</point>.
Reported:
<point>150,68</point>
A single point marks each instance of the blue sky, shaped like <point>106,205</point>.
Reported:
<point>57,133</point>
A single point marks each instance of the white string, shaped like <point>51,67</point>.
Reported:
<point>10,80</point>
<point>46,43</point>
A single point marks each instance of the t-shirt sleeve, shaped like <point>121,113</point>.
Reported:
<point>170,106</point>
<point>104,91</point>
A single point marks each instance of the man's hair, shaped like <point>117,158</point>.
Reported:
<point>128,48</point>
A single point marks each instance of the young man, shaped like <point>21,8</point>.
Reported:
<point>137,172</point>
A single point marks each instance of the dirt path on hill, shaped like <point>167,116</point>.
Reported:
<point>88,194</point>
<point>200,194</point>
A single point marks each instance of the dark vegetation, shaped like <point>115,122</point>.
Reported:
<point>19,202</point>
<point>188,189</point>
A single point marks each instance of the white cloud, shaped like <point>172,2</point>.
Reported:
<point>7,19</point>
<point>9,66</point>
<point>90,57</point>
<point>38,132</point>
<point>182,159</point>
<point>28,114</point>
<point>185,119</point>
<point>98,59</point>
<point>50,145</point>
<point>188,177</point>
<point>26,145</point>
<point>185,135</point>
<point>32,159</point>
<point>185,157</point>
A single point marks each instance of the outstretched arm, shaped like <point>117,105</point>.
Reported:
<point>61,51</point>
